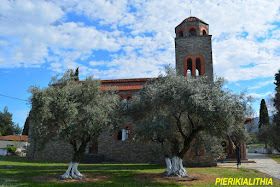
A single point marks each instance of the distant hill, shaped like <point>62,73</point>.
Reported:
<point>255,125</point>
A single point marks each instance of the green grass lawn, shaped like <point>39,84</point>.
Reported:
<point>42,173</point>
<point>275,157</point>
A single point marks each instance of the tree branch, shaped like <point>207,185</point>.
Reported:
<point>179,125</point>
<point>188,141</point>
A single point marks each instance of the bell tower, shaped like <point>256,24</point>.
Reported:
<point>193,49</point>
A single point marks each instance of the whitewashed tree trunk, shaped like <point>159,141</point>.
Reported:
<point>177,168</point>
<point>168,165</point>
<point>72,172</point>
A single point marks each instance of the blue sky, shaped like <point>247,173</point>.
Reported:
<point>132,39</point>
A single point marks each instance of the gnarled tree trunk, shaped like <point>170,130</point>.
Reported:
<point>72,171</point>
<point>168,165</point>
<point>177,168</point>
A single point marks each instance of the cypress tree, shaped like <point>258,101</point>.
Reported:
<point>264,126</point>
<point>276,118</point>
<point>264,118</point>
<point>26,126</point>
<point>76,75</point>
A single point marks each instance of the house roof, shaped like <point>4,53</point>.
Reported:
<point>125,87</point>
<point>15,137</point>
<point>125,80</point>
<point>248,120</point>
<point>121,88</point>
<point>190,19</point>
<point>108,83</point>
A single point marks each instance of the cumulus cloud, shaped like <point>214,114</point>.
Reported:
<point>262,95</point>
<point>261,84</point>
<point>138,35</point>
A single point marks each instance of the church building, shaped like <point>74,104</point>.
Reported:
<point>193,53</point>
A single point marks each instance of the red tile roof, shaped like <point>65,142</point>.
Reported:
<point>124,80</point>
<point>133,87</point>
<point>15,137</point>
<point>190,19</point>
<point>248,120</point>
<point>116,81</point>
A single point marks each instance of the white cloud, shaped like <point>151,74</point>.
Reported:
<point>261,84</point>
<point>143,30</point>
<point>94,63</point>
<point>262,95</point>
<point>3,43</point>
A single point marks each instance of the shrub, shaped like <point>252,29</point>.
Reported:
<point>12,149</point>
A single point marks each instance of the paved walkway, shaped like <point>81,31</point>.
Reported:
<point>263,164</point>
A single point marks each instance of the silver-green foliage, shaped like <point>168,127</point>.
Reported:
<point>176,110</point>
<point>72,111</point>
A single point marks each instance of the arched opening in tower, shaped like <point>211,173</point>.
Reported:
<point>198,67</point>
<point>192,32</point>
<point>180,34</point>
<point>189,67</point>
<point>204,32</point>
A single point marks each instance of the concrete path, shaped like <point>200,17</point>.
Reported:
<point>263,164</point>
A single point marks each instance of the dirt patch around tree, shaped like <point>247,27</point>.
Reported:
<point>196,178</point>
<point>90,178</point>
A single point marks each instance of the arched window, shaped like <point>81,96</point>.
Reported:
<point>189,67</point>
<point>127,133</point>
<point>124,104</point>
<point>119,135</point>
<point>128,102</point>
<point>192,32</point>
<point>198,66</point>
<point>204,32</point>
<point>180,34</point>
<point>124,133</point>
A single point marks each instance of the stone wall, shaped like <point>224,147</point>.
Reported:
<point>196,45</point>
<point>129,150</point>
<point>202,160</point>
<point>53,150</point>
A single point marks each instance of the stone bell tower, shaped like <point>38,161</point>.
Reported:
<point>193,48</point>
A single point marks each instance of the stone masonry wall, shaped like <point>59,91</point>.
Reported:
<point>197,45</point>
<point>128,150</point>
<point>52,150</point>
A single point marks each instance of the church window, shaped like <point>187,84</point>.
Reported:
<point>127,132</point>
<point>204,32</point>
<point>128,102</point>
<point>189,67</point>
<point>198,66</point>
<point>192,32</point>
<point>125,101</point>
<point>180,34</point>
<point>119,135</point>
<point>124,133</point>
<point>124,104</point>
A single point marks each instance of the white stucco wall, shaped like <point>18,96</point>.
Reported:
<point>3,152</point>
<point>5,143</point>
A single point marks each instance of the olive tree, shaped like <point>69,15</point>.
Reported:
<point>73,111</point>
<point>175,110</point>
